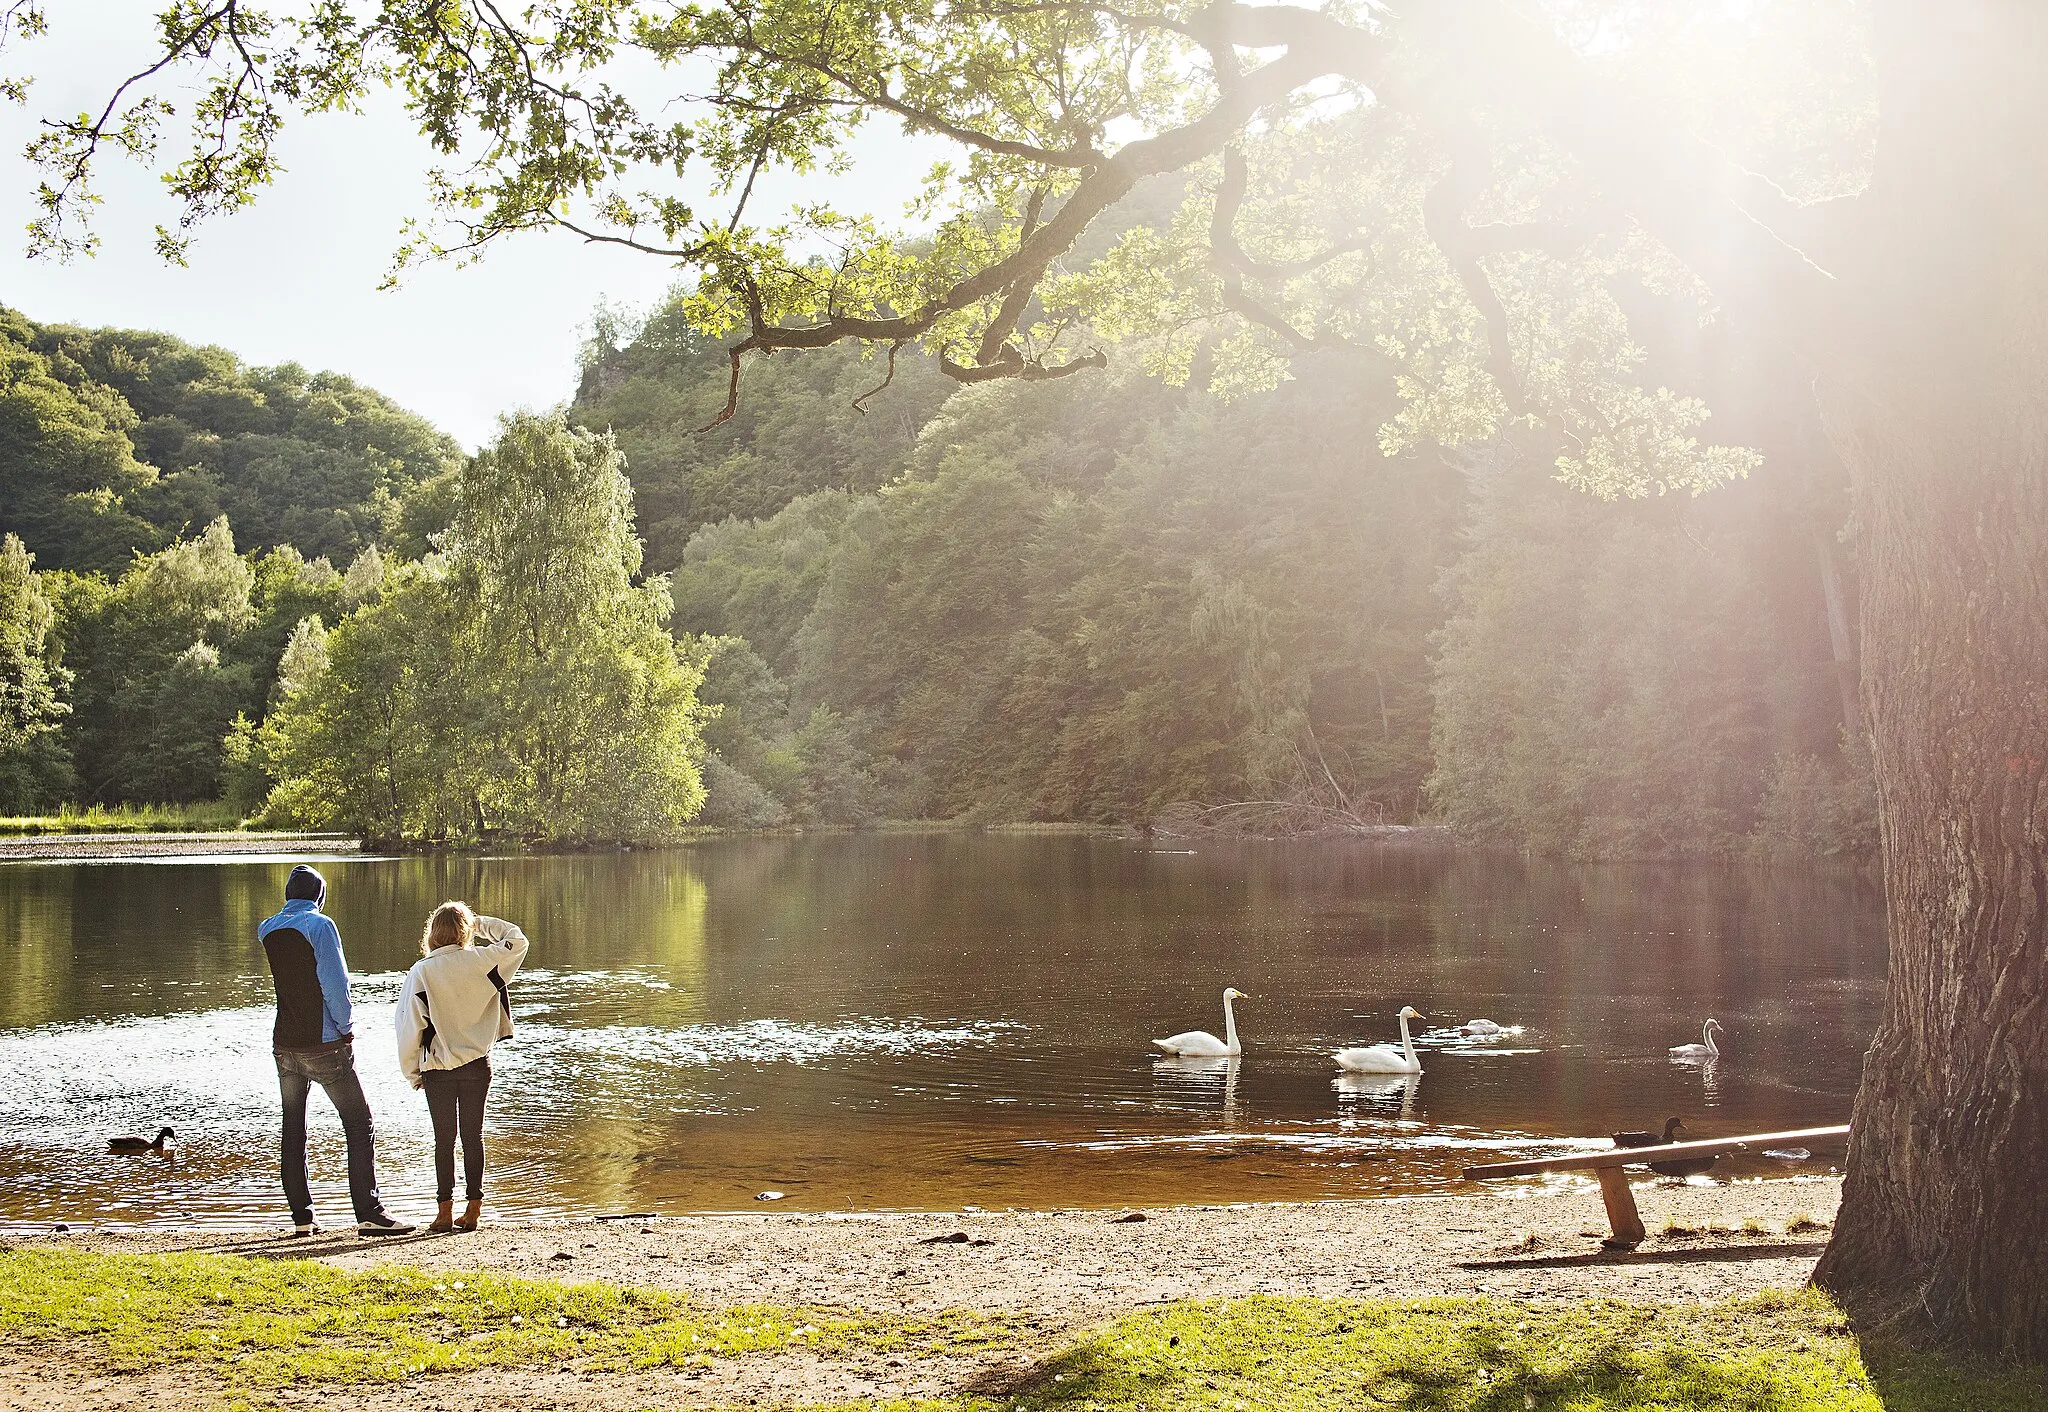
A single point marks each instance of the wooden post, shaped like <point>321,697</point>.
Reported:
<point>1622,1216</point>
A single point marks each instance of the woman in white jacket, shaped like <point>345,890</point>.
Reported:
<point>452,1009</point>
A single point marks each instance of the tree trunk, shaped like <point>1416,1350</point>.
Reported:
<point>1839,638</point>
<point>1939,413</point>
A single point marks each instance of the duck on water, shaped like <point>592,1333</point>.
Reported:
<point>1674,1131</point>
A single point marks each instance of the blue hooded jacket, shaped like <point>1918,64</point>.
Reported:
<point>309,971</point>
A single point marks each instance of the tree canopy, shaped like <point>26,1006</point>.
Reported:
<point>1108,599</point>
<point>1459,200</point>
<point>522,684</point>
<point>33,769</point>
<point>799,430</point>
<point>114,442</point>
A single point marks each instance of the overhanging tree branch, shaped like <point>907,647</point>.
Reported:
<point>1099,189</point>
<point>1233,265</point>
<point>1223,234</point>
<point>549,142</point>
<point>1443,215</point>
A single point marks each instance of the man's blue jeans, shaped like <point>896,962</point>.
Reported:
<point>335,1071</point>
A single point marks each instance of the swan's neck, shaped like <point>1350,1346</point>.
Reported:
<point>1707,1034</point>
<point>1229,1025</point>
<point>1407,1044</point>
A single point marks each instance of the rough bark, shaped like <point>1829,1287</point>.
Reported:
<point>1840,639</point>
<point>1939,412</point>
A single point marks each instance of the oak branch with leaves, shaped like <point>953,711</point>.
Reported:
<point>1343,194</point>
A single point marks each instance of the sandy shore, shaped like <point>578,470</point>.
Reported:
<point>116,846</point>
<point>1055,1271</point>
<point>1075,1267</point>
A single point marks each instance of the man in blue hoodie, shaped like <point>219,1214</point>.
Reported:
<point>314,1042</point>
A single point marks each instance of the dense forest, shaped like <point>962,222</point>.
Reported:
<point>1109,599</point>
<point>1099,599</point>
<point>114,441</point>
<point>185,513</point>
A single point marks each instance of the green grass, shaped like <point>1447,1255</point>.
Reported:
<point>265,1323</point>
<point>126,818</point>
<point>1775,1353</point>
<point>260,1324</point>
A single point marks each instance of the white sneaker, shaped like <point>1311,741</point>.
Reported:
<point>306,1229</point>
<point>383,1226</point>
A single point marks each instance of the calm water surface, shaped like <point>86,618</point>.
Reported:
<point>925,1021</point>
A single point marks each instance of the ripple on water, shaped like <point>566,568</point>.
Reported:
<point>214,1069</point>
<point>65,1088</point>
<point>763,1041</point>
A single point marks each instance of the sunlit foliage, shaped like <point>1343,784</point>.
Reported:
<point>115,441</point>
<point>33,768</point>
<point>166,657</point>
<point>522,684</point>
<point>1445,198</point>
<point>803,425</point>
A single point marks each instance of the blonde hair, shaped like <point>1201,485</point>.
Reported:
<point>451,924</point>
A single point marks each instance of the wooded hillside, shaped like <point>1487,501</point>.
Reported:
<point>1101,599</point>
<point>114,441</point>
<point>1098,598</point>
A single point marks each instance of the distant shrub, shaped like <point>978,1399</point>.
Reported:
<point>1815,807</point>
<point>733,800</point>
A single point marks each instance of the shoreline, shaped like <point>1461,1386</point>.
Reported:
<point>143,845</point>
<point>1073,1267</point>
<point>119,847</point>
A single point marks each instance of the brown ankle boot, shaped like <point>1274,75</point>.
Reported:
<point>471,1214</point>
<point>444,1219</point>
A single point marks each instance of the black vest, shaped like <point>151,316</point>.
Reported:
<point>301,1008</point>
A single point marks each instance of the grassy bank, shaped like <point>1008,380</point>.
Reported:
<point>266,1323</point>
<point>126,818</point>
<point>248,1326</point>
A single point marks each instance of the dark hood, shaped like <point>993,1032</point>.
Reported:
<point>305,885</point>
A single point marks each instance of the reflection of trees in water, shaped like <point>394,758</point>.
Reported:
<point>1088,944</point>
<point>108,940</point>
<point>1788,958</point>
<point>1091,943</point>
<point>35,945</point>
<point>147,939</point>
<point>599,911</point>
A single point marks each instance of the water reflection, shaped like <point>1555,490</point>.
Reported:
<point>1394,1093</point>
<point>1203,1073</point>
<point>927,1020</point>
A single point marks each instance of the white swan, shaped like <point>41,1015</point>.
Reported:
<point>1706,1049</point>
<point>1481,1027</point>
<point>1384,1058</point>
<point>1201,1042</point>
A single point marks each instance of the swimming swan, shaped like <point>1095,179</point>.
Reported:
<point>1384,1058</point>
<point>1706,1049</point>
<point>1481,1027</point>
<point>1201,1042</point>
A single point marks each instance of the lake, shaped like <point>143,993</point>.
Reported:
<point>926,1020</point>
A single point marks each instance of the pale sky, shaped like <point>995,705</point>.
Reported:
<point>294,278</point>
